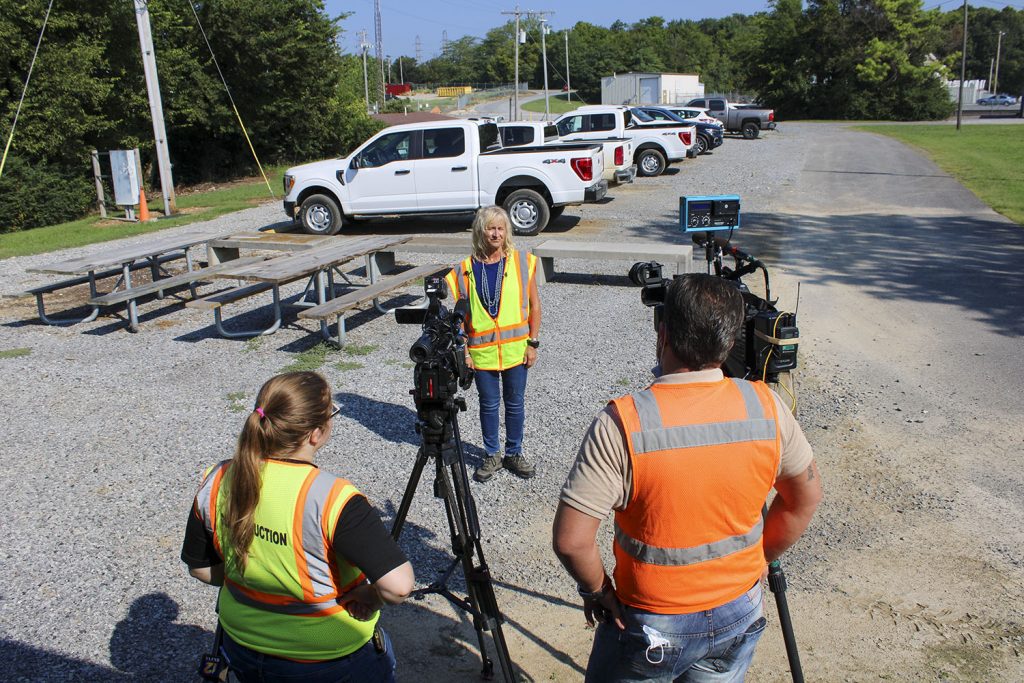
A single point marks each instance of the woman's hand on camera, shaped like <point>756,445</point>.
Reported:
<point>362,602</point>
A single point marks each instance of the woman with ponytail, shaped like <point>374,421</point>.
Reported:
<point>303,560</point>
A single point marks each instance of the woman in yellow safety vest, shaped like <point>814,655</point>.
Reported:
<point>303,561</point>
<point>503,334</point>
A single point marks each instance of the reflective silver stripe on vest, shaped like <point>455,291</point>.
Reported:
<point>679,557</point>
<point>755,410</point>
<point>647,410</point>
<point>513,332</point>
<point>203,497</point>
<point>485,338</point>
<point>653,437</point>
<point>313,535</point>
<point>462,278</point>
<point>299,608</point>
<point>524,284</point>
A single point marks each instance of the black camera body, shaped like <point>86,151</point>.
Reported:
<point>761,350</point>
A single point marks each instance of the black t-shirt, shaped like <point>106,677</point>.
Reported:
<point>359,538</point>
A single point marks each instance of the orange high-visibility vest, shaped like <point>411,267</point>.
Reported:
<point>286,603</point>
<point>704,458</point>
<point>497,343</point>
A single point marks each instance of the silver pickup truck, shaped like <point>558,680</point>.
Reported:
<point>737,119</point>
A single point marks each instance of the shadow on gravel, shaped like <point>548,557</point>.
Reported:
<point>392,422</point>
<point>146,646</point>
<point>973,263</point>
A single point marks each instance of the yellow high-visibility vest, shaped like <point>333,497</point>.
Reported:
<point>286,604</point>
<point>499,342</point>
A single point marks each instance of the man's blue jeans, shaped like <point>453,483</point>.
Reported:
<point>513,390</point>
<point>713,646</point>
<point>365,664</point>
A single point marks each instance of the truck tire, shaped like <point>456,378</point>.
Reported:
<point>650,163</point>
<point>751,130</point>
<point>555,212</point>
<point>701,144</point>
<point>320,215</point>
<point>528,211</point>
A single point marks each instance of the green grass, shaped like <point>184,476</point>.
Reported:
<point>556,103</point>
<point>235,402</point>
<point>192,207</point>
<point>310,359</point>
<point>359,349</point>
<point>347,365</point>
<point>986,159</point>
<point>15,353</point>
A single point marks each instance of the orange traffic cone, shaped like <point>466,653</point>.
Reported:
<point>143,209</point>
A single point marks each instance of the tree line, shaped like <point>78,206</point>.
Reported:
<point>301,97</point>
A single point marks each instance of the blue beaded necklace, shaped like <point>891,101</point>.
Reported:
<point>491,299</point>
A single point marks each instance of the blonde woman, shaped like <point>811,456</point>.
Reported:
<point>503,334</point>
<point>303,561</point>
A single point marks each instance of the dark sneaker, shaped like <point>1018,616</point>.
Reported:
<point>518,464</point>
<point>492,464</point>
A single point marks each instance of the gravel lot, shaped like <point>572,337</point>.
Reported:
<point>107,432</point>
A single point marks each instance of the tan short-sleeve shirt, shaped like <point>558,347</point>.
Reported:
<point>601,479</point>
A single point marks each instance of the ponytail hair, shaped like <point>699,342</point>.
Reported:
<point>288,408</point>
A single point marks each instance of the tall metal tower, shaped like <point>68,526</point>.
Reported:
<point>419,50</point>
<point>379,46</point>
<point>444,43</point>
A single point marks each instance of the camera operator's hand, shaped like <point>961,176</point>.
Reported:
<point>607,610</point>
<point>362,602</point>
<point>469,361</point>
<point>531,357</point>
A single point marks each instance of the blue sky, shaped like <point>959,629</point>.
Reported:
<point>403,20</point>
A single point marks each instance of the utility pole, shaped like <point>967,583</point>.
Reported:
<point>963,73</point>
<point>990,63</point>
<point>515,92</point>
<point>156,108</point>
<point>379,48</point>
<point>544,55</point>
<point>401,73</point>
<point>568,88</point>
<point>995,79</point>
<point>389,68</point>
<point>363,45</point>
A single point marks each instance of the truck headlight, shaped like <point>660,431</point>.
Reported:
<point>289,183</point>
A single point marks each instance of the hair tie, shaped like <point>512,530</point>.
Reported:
<point>259,411</point>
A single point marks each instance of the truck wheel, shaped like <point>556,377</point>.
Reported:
<point>555,212</point>
<point>320,215</point>
<point>528,211</point>
<point>701,145</point>
<point>650,163</point>
<point>751,130</point>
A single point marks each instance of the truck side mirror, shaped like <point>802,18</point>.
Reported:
<point>354,165</point>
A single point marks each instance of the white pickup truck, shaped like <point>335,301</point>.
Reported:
<point>443,167</point>
<point>654,146</point>
<point>618,152</point>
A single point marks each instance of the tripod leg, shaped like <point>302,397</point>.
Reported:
<point>410,491</point>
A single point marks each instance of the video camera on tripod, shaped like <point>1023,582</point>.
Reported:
<point>767,344</point>
<point>441,370</point>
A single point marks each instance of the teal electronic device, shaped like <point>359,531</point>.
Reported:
<point>705,213</point>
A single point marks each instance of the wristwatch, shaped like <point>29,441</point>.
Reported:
<point>533,342</point>
<point>606,586</point>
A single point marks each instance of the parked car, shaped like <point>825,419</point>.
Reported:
<point>998,99</point>
<point>693,114</point>
<point>618,152</point>
<point>746,120</point>
<point>709,135</point>
<point>444,167</point>
<point>654,147</point>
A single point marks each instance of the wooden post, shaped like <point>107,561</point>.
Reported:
<point>98,178</point>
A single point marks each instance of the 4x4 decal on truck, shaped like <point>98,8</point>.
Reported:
<point>554,161</point>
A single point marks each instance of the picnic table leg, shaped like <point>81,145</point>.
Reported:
<point>243,334</point>
<point>133,310</point>
<point>188,264</point>
<point>40,307</point>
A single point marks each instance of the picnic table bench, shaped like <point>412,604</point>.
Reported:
<point>336,307</point>
<point>118,261</point>
<point>318,263</point>
<point>679,254</point>
<point>227,248</point>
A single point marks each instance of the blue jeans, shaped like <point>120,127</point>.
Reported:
<point>513,391</point>
<point>713,646</point>
<point>365,664</point>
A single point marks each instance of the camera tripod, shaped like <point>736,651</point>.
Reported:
<point>438,427</point>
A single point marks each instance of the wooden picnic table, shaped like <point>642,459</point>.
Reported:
<point>318,263</point>
<point>227,248</point>
<point>119,260</point>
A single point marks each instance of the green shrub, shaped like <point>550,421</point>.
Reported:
<point>32,195</point>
